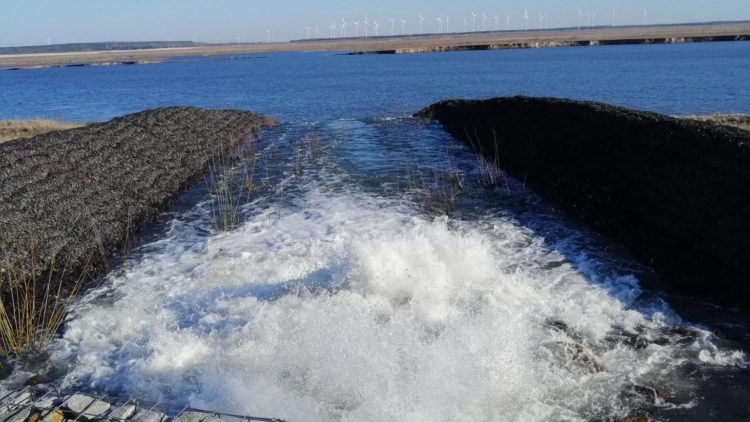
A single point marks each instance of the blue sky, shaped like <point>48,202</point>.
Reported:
<point>30,22</point>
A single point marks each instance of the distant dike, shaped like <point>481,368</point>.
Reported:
<point>675,192</point>
<point>554,43</point>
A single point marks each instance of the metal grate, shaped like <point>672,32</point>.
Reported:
<point>48,404</point>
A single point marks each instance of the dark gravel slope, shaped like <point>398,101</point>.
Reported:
<point>74,194</point>
<point>676,192</point>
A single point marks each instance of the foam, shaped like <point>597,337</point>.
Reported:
<point>351,307</point>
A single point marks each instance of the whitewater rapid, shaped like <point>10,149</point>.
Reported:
<point>335,302</point>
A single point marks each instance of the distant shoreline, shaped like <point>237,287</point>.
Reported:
<point>657,34</point>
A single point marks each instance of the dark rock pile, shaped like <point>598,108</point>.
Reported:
<point>676,192</point>
<point>70,197</point>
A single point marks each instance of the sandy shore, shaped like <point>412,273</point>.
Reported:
<point>401,44</point>
<point>18,129</point>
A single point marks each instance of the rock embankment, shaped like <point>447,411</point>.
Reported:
<point>676,192</point>
<point>68,198</point>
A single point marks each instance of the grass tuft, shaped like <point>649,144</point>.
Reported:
<point>33,302</point>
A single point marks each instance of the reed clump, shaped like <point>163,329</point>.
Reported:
<point>34,300</point>
<point>231,181</point>
<point>436,189</point>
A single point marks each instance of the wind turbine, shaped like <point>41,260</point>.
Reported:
<point>466,24</point>
<point>525,19</point>
<point>421,24</point>
<point>333,29</point>
<point>317,31</point>
<point>645,13</point>
<point>343,27</point>
<point>403,26</point>
<point>507,23</point>
<point>541,21</point>
<point>593,18</point>
<point>580,15</point>
<point>375,26</point>
<point>484,21</point>
<point>613,18</point>
<point>356,29</point>
<point>393,24</point>
<point>367,25</point>
<point>268,35</point>
<point>447,23</point>
<point>473,22</point>
<point>308,29</point>
<point>497,22</point>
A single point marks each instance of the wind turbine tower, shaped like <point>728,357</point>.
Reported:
<point>645,13</point>
<point>403,26</point>
<point>447,24</point>
<point>393,24</point>
<point>356,29</point>
<point>343,27</point>
<point>507,23</point>
<point>497,22</point>
<point>484,21</point>
<point>367,25</point>
<point>421,24</point>
<point>580,15</point>
<point>308,29</point>
<point>439,20</point>
<point>375,26</point>
<point>613,18</point>
<point>473,22</point>
<point>525,19</point>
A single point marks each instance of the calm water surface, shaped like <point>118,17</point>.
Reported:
<point>674,79</point>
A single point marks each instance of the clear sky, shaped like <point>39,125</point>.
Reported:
<point>33,22</point>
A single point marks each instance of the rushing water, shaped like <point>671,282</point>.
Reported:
<point>378,270</point>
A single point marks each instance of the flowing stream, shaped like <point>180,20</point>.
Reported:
<point>377,270</point>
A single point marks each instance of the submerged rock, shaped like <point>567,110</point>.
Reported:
<point>675,192</point>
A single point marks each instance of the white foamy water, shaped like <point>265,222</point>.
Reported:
<point>350,307</point>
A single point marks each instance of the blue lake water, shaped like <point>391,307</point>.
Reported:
<point>675,79</point>
<point>378,270</point>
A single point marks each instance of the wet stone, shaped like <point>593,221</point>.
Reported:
<point>21,399</point>
<point>86,405</point>
<point>123,412</point>
<point>55,416</point>
<point>191,416</point>
<point>18,416</point>
<point>78,402</point>
<point>149,416</point>
<point>47,403</point>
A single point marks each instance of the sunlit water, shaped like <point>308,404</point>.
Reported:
<point>377,270</point>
